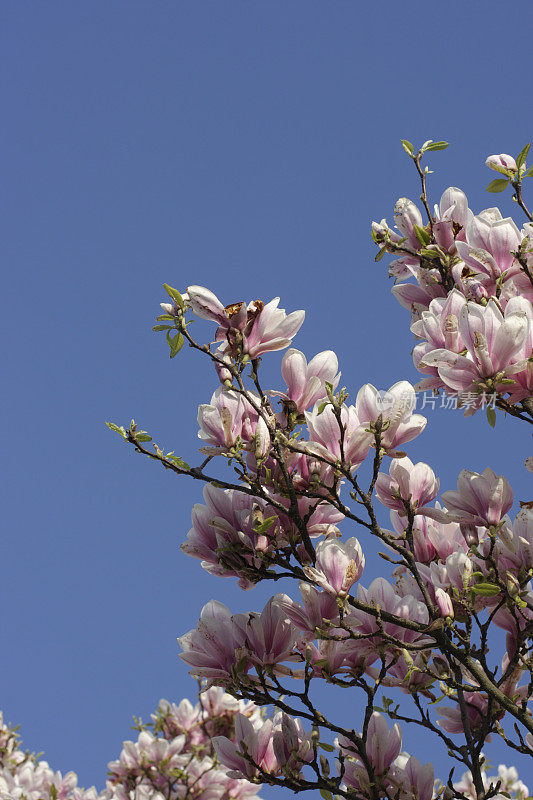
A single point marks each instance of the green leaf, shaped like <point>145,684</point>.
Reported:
<point>161,327</point>
<point>175,295</point>
<point>437,146</point>
<point>497,185</point>
<point>422,235</point>
<point>486,589</point>
<point>179,462</point>
<point>327,747</point>
<point>429,253</point>
<point>265,525</point>
<point>529,173</point>
<point>380,254</point>
<point>322,406</point>
<point>121,430</point>
<point>407,146</point>
<point>175,343</point>
<point>143,437</point>
<point>491,416</point>
<point>523,155</point>
<point>326,795</point>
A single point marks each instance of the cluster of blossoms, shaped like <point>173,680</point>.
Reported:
<point>468,281</point>
<point>451,628</point>
<point>172,759</point>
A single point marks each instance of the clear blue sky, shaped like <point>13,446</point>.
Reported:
<point>245,146</point>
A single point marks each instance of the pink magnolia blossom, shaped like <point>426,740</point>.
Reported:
<point>444,602</point>
<point>502,163</point>
<point>408,484</point>
<point>215,647</point>
<point>206,305</point>
<point>251,329</point>
<point>381,593</point>
<point>415,780</point>
<point>272,329</point>
<point>279,744</point>
<point>395,407</point>
<point>439,327</point>
<point>270,636</point>
<point>480,499</point>
<point>406,216</point>
<point>306,382</point>
<point>476,711</point>
<point>325,435</point>
<point>338,565</point>
<point>316,610</point>
<point>226,419</point>
<point>224,533</point>
<point>489,243</point>
<point>382,748</point>
<point>494,342</point>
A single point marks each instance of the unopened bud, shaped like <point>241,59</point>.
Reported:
<point>170,308</point>
<point>470,533</point>
<point>502,163</point>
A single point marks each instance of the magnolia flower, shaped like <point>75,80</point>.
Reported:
<point>489,244</point>
<point>316,610</point>
<point>409,484</point>
<point>406,217</point>
<point>414,779</point>
<point>476,710</point>
<point>493,342</point>
<point>272,329</point>
<point>382,748</point>
<point>338,565</point>
<point>480,499</point>
<point>381,593</point>
<point>226,419</point>
<point>350,445</point>
<point>444,602</point>
<point>395,408</point>
<point>279,744</point>
<point>306,382</point>
<point>502,163</point>
<point>215,647</point>
<point>250,329</point>
<point>223,533</point>
<point>270,636</point>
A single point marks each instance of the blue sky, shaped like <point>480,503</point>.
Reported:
<point>245,146</point>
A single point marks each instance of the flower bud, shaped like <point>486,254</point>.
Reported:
<point>261,439</point>
<point>444,602</point>
<point>502,163</point>
<point>470,533</point>
<point>170,308</point>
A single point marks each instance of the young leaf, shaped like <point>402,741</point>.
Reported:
<point>437,146</point>
<point>116,428</point>
<point>175,295</point>
<point>497,185</point>
<point>486,589</point>
<point>422,235</point>
<point>175,343</point>
<point>380,254</point>
<point>529,173</point>
<point>161,327</point>
<point>407,146</point>
<point>523,155</point>
<point>491,416</point>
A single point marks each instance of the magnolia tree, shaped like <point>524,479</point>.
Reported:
<point>172,758</point>
<point>445,642</point>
